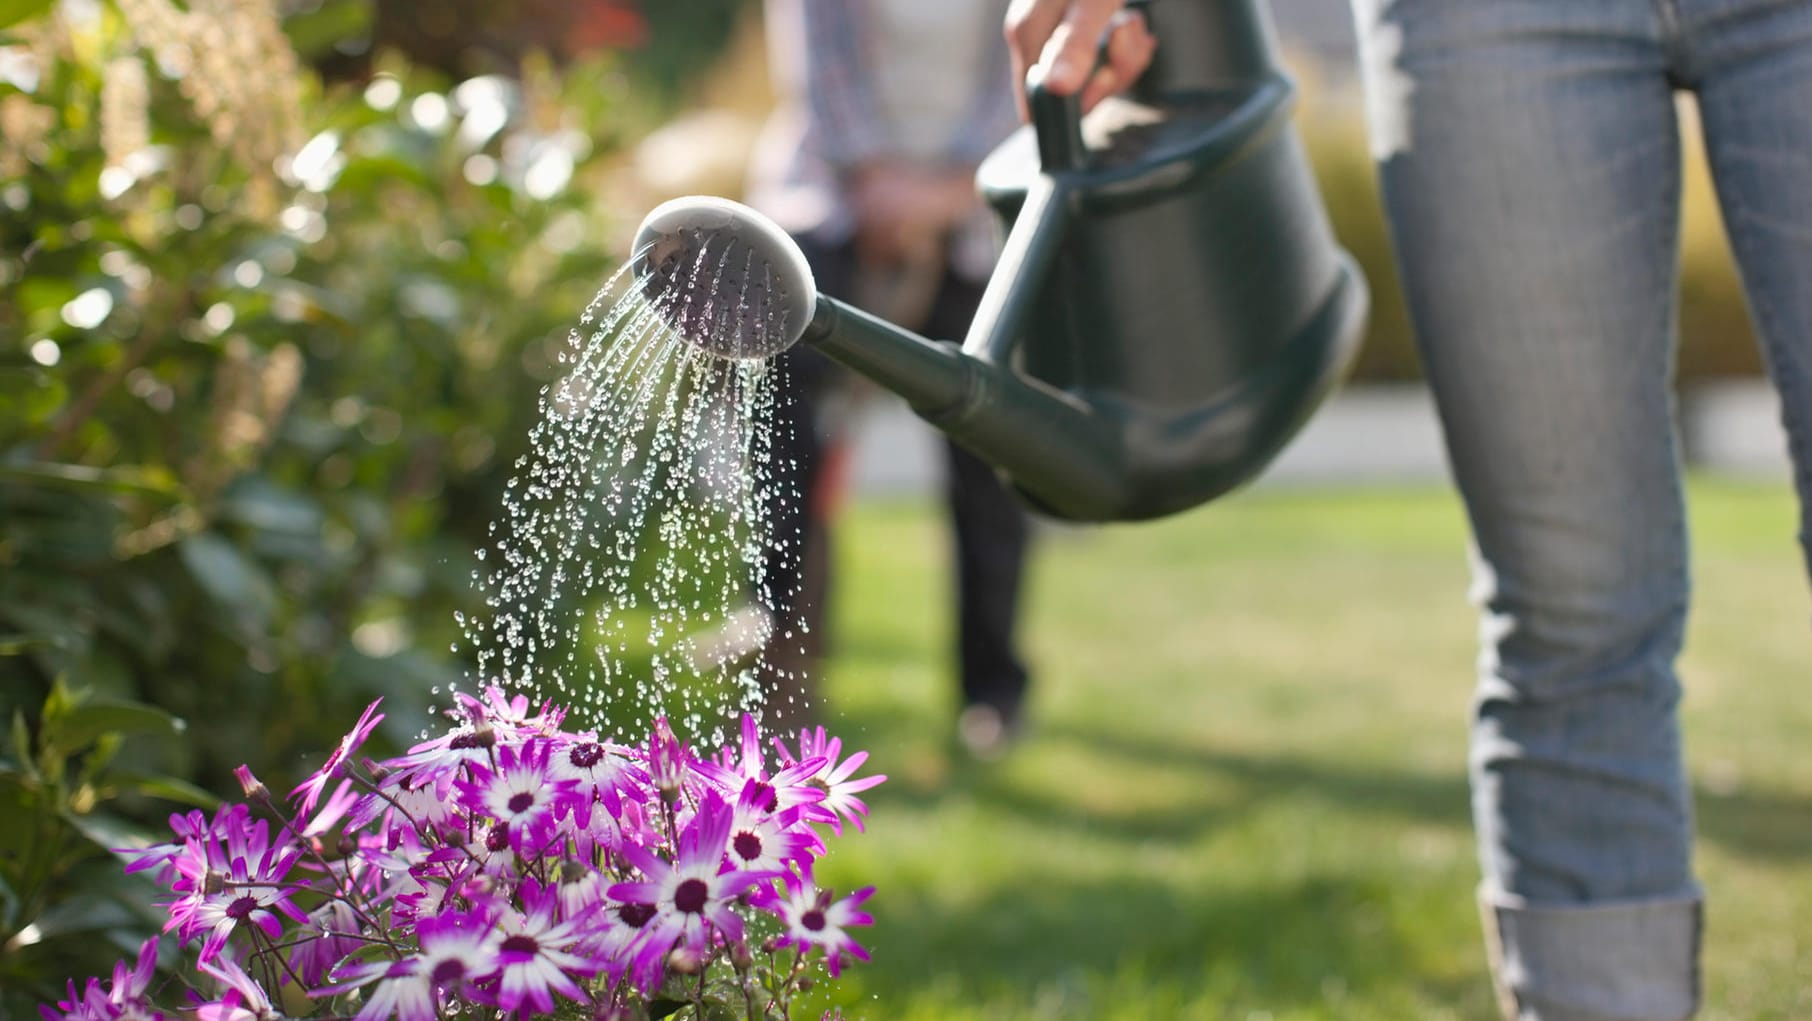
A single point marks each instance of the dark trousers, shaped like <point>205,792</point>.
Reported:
<point>990,528</point>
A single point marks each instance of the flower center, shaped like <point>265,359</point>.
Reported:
<point>520,803</point>
<point>463,741</point>
<point>635,915</point>
<point>587,755</point>
<point>241,907</point>
<point>813,920</point>
<point>746,845</point>
<point>498,838</point>
<point>520,945</point>
<point>691,896</point>
<point>447,972</point>
<point>765,796</point>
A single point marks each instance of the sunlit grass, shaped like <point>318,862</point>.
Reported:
<point>1244,794</point>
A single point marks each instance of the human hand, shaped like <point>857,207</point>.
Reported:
<point>1063,36</point>
<point>904,211</point>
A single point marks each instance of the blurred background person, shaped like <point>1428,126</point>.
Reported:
<point>886,108</point>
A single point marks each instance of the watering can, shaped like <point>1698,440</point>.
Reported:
<point>1169,308</point>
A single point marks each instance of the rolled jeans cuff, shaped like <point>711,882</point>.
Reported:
<point>1621,961</point>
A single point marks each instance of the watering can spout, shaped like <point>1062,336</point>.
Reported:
<point>1169,308</point>
<point>1068,462</point>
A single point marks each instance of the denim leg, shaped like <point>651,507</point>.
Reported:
<point>1753,59</point>
<point>1529,156</point>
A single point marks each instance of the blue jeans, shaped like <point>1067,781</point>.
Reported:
<point>1529,153</point>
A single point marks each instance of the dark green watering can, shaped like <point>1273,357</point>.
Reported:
<point>1169,309</point>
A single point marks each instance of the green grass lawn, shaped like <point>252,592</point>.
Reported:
<point>1244,793</point>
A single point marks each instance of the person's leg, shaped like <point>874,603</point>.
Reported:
<point>1754,61</point>
<point>991,531</point>
<point>1529,156</point>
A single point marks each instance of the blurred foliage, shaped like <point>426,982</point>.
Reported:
<point>269,350</point>
<point>64,902</point>
<point>661,46</point>
<point>1715,335</point>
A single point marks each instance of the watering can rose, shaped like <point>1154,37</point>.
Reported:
<point>509,868</point>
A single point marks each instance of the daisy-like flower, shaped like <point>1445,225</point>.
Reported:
<point>840,802</point>
<point>123,999</point>
<point>765,841</point>
<point>243,998</point>
<point>791,786</point>
<point>510,714</point>
<point>192,825</point>
<point>602,774</point>
<point>535,954</point>
<point>455,950</point>
<point>240,882</point>
<point>692,896</point>
<point>814,919</point>
<point>308,792</point>
<point>520,796</point>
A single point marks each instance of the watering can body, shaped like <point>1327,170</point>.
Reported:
<point>1169,308</point>
<point>1169,276</point>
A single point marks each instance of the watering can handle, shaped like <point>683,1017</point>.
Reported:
<point>1057,120</point>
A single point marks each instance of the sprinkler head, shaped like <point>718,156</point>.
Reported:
<point>725,277</point>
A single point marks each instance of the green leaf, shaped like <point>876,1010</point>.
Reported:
<point>81,724</point>
<point>226,574</point>
<point>15,645</point>
<point>108,832</point>
<point>168,788</point>
<point>658,1009</point>
<point>81,478</point>
<point>84,912</point>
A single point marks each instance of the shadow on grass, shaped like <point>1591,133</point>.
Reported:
<point>1071,948</point>
<point>1074,936</point>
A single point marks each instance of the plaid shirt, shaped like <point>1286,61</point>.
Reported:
<point>835,121</point>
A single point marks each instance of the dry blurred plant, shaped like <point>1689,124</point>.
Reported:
<point>239,73</point>
<point>125,110</point>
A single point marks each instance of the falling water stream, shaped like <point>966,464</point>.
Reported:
<point>626,574</point>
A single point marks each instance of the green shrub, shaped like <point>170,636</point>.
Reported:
<point>268,352</point>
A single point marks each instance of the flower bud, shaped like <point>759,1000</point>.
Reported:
<point>213,883</point>
<point>740,957</point>
<point>572,871</point>
<point>348,844</point>
<point>249,785</point>
<point>806,983</point>
<point>685,961</point>
<point>482,735</point>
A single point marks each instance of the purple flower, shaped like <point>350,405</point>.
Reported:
<point>535,955</point>
<point>520,795</point>
<point>335,931</point>
<point>840,801</point>
<point>692,896</point>
<point>455,949</point>
<point>309,791</point>
<point>511,714</point>
<point>602,774</point>
<point>122,999</point>
<point>813,919</point>
<point>762,840</point>
<point>243,1000</point>
<point>670,762</point>
<point>240,882</point>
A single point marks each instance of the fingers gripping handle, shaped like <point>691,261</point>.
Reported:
<point>1057,120</point>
